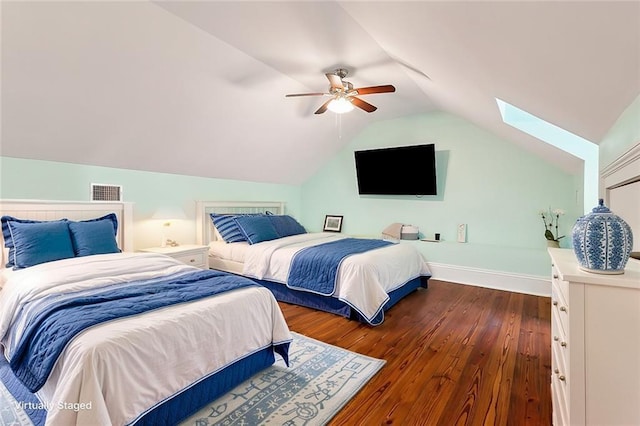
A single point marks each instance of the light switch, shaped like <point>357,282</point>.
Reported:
<point>462,233</point>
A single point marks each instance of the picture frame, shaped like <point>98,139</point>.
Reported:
<point>332,223</point>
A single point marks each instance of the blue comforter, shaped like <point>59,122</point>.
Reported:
<point>315,268</point>
<point>58,318</point>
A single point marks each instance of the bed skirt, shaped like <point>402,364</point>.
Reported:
<point>189,401</point>
<point>333,305</point>
<point>176,408</point>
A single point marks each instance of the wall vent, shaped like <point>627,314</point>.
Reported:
<point>103,192</point>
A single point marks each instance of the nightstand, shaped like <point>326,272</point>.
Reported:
<point>192,255</point>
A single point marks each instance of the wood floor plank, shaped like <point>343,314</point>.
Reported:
<point>454,354</point>
<point>477,318</point>
<point>433,358</point>
<point>479,382</point>
<point>531,362</point>
<point>404,353</point>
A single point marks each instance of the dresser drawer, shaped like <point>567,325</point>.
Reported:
<point>193,259</point>
<point>560,308</point>
<point>559,391</point>
<point>560,404</point>
<point>562,286</point>
<point>559,347</point>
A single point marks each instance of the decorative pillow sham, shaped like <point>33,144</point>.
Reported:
<point>8,240</point>
<point>110,218</point>
<point>256,228</point>
<point>228,228</point>
<point>286,225</point>
<point>37,242</point>
<point>31,242</point>
<point>95,236</point>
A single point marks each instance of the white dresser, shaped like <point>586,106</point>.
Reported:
<point>595,346</point>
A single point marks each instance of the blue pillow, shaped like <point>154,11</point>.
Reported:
<point>286,226</point>
<point>95,236</point>
<point>256,228</point>
<point>111,218</point>
<point>227,226</point>
<point>38,242</point>
<point>6,234</point>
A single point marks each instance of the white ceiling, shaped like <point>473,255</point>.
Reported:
<point>198,87</point>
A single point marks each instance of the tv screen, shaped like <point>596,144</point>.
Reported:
<point>405,170</point>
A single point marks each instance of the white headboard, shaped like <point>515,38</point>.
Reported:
<point>205,231</point>
<point>73,210</point>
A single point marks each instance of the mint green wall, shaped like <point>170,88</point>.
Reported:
<point>622,136</point>
<point>494,187</point>
<point>491,185</point>
<point>33,179</point>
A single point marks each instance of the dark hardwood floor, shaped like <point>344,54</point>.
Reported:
<point>455,355</point>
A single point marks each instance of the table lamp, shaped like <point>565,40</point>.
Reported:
<point>167,215</point>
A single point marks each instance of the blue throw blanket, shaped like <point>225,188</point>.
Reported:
<point>63,316</point>
<point>315,268</point>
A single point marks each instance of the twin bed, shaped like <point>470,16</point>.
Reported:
<point>159,362</point>
<point>182,336</point>
<point>365,285</point>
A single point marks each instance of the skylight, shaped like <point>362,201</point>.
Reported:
<point>562,139</point>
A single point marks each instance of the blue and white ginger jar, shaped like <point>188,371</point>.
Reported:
<point>602,241</point>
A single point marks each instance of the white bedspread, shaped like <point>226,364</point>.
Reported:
<point>126,367</point>
<point>363,279</point>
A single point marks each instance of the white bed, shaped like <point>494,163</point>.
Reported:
<point>130,370</point>
<point>367,283</point>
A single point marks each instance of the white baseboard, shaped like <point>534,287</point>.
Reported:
<point>519,283</point>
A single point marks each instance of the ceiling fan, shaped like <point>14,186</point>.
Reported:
<point>343,96</point>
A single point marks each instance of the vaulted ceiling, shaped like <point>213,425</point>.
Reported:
<point>198,88</point>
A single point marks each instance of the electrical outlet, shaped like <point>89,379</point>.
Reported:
<point>462,233</point>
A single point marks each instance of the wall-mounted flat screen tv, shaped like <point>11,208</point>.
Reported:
<point>405,170</point>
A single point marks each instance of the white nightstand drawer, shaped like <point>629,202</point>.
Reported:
<point>192,255</point>
<point>193,259</point>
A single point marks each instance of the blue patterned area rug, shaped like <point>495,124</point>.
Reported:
<point>11,413</point>
<point>320,381</point>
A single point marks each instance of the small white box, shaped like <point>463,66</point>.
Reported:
<point>409,232</point>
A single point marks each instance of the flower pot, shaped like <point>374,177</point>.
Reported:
<point>602,241</point>
<point>553,243</point>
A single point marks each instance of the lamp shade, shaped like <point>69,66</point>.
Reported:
<point>169,213</point>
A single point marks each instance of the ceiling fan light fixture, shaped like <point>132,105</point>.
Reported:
<point>340,105</point>
<point>344,97</point>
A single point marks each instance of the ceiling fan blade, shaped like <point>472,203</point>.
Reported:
<point>362,104</point>
<point>304,94</point>
<point>375,89</point>
<point>335,80</point>
<point>323,108</point>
